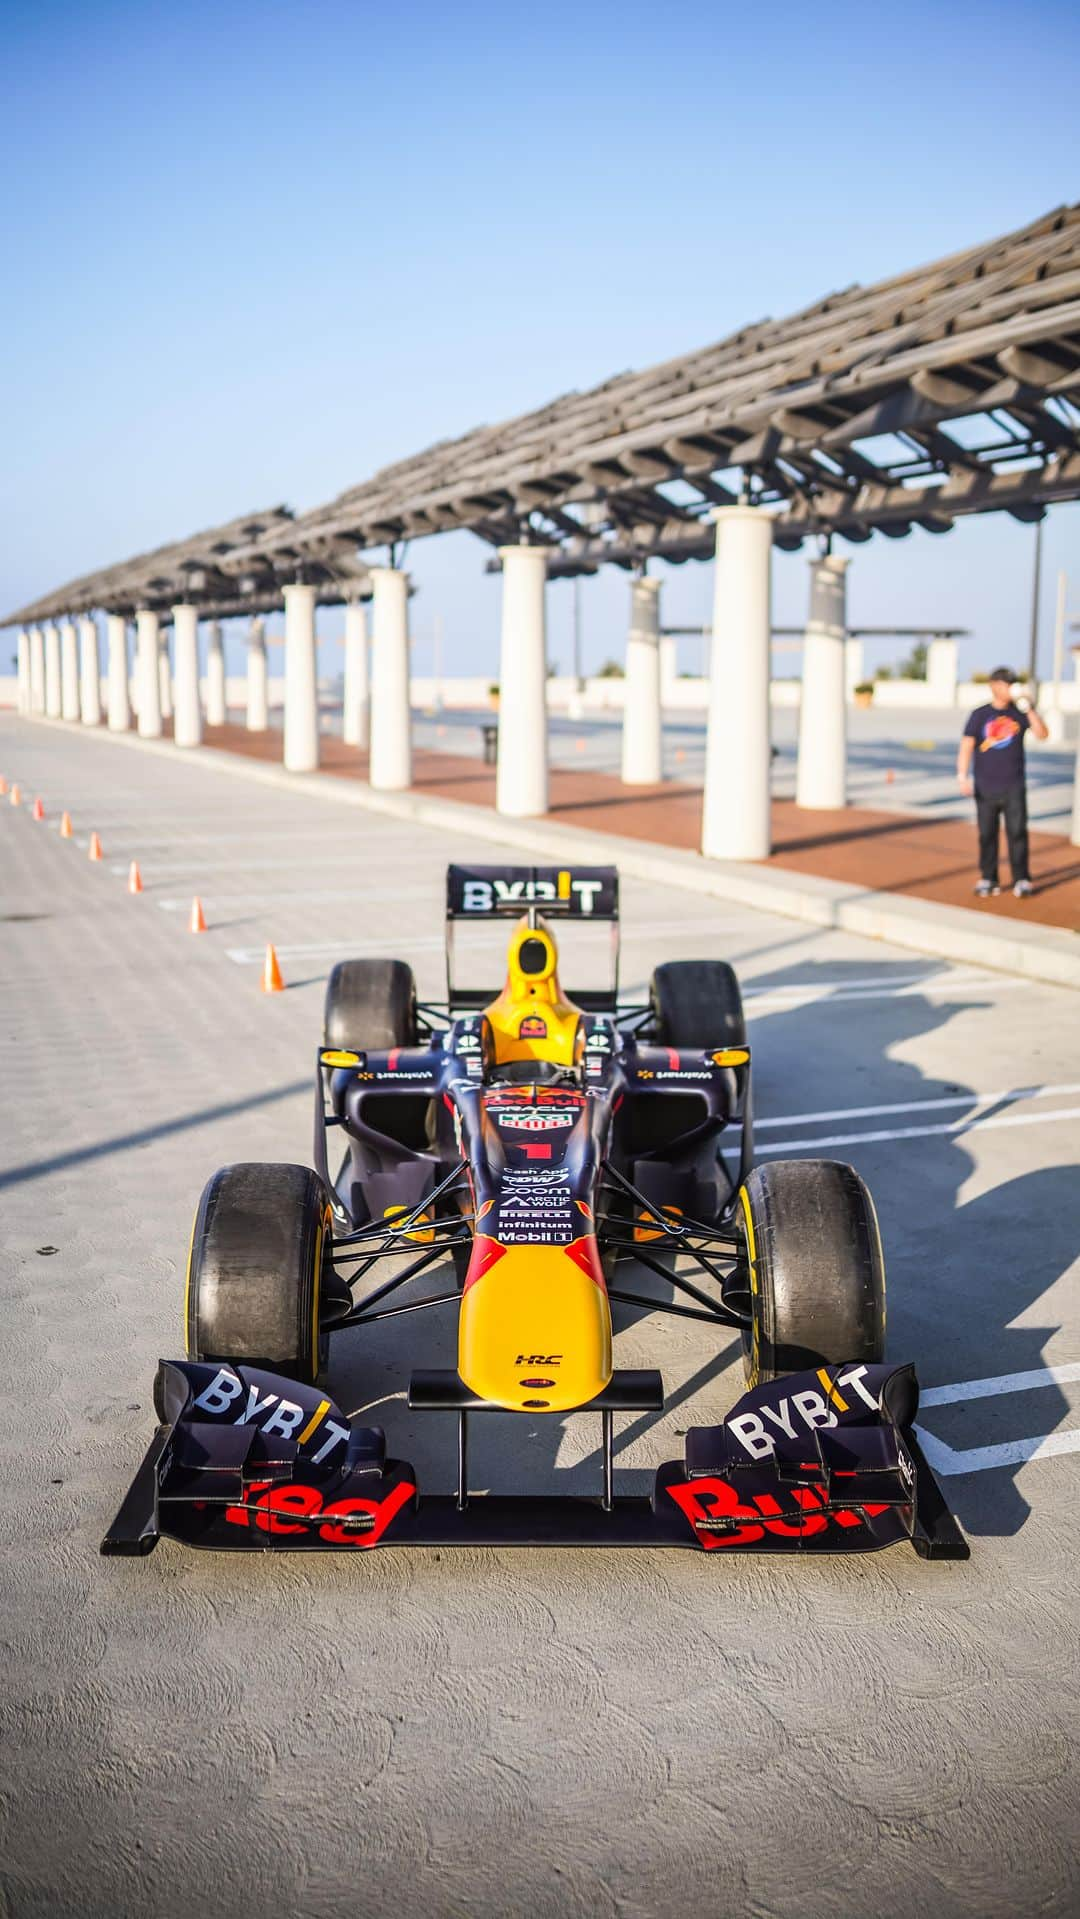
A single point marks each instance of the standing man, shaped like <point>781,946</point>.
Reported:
<point>994,739</point>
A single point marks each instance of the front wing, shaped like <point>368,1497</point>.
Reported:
<point>243,1459</point>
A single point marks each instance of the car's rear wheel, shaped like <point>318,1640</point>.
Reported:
<point>817,1273</point>
<point>697,1003</point>
<point>260,1263</point>
<point>370,1005</point>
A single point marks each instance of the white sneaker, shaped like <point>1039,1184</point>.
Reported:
<point>1023,890</point>
<point>987,890</point>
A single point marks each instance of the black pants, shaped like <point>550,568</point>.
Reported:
<point>988,808</point>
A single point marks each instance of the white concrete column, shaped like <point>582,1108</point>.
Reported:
<point>118,695</point>
<point>669,667</point>
<point>216,710</point>
<point>355,716</point>
<point>941,671</point>
<point>147,675</point>
<point>165,695</point>
<point>53,698</point>
<point>89,672</point>
<point>854,666</point>
<point>37,671</point>
<point>258,682</point>
<point>521,784</point>
<point>821,779</point>
<point>735,814</point>
<point>187,724</point>
<point>301,752</point>
<point>69,671</point>
<point>391,719</point>
<point>642,746</point>
<point>22,656</point>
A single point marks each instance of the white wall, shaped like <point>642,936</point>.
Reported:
<point>606,696</point>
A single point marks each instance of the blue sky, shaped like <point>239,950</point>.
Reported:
<point>254,252</point>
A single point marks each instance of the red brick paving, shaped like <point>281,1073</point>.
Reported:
<point>931,859</point>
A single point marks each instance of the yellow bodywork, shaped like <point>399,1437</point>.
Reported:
<point>535,1313</point>
<point>531,1019</point>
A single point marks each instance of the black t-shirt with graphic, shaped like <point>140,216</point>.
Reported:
<point>998,733</point>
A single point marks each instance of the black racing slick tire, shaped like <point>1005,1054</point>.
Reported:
<point>697,1003</point>
<point>817,1273</point>
<point>260,1261</point>
<point>370,1005</point>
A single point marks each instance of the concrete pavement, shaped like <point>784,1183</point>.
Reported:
<point>498,1732</point>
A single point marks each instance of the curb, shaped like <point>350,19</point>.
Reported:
<point>1049,954</point>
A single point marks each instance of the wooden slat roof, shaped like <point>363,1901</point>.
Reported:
<point>780,408</point>
<point>206,570</point>
<point>950,389</point>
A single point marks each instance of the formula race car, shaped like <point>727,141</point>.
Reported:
<point>537,1145</point>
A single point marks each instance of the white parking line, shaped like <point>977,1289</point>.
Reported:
<point>826,993</point>
<point>916,1106</point>
<point>396,896</point>
<point>1001,1383</point>
<point>950,1460</point>
<point>898,980</point>
<point>326,949</point>
<point>955,1126</point>
<point>1011,1452</point>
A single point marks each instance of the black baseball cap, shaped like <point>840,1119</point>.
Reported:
<point>1003,673</point>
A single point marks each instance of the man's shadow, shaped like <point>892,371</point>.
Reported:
<point>962,1274</point>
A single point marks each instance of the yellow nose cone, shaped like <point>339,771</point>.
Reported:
<point>534,1333</point>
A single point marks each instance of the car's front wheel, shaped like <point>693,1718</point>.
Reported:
<point>259,1266</point>
<point>816,1269</point>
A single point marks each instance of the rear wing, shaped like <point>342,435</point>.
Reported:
<point>586,895</point>
<point>505,892</point>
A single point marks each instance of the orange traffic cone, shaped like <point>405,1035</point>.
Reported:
<point>135,884</point>
<point>66,832</point>
<point>95,852</point>
<point>272,981</point>
<point>197,922</point>
<point>15,796</point>
<point>3,787</point>
<point>39,809</point>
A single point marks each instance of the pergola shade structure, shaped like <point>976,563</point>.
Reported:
<point>949,390</point>
<point>221,572</point>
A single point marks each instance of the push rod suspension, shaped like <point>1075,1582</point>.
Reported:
<point>680,1284</point>
<point>402,1224</point>
<point>364,1318</point>
<point>716,1315</point>
<point>391,1285</point>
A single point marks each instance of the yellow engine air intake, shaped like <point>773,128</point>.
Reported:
<point>531,1019</point>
